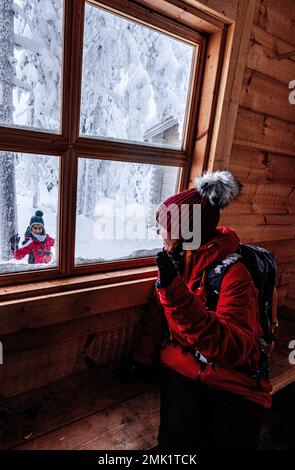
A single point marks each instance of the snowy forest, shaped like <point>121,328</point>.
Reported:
<point>135,84</point>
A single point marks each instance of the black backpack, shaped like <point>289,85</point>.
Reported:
<point>263,269</point>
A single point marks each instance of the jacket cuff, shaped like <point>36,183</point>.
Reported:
<point>176,292</point>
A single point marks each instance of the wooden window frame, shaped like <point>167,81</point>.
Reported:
<point>214,36</point>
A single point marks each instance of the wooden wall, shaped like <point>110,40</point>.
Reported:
<point>43,355</point>
<point>46,338</point>
<point>263,151</point>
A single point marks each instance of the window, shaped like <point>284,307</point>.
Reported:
<point>135,81</point>
<point>98,111</point>
<point>31,58</point>
<point>29,207</point>
<point>116,207</point>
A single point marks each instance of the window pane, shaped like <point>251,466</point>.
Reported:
<point>116,205</point>
<point>28,215</point>
<point>30,63</point>
<point>135,81</point>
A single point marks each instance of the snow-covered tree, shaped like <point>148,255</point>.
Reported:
<point>81,185</point>
<point>137,92</point>
<point>38,42</point>
<point>8,214</point>
<point>133,78</point>
<point>167,62</point>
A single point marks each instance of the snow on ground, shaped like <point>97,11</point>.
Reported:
<point>114,234</point>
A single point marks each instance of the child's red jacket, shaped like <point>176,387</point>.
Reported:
<point>228,337</point>
<point>41,251</point>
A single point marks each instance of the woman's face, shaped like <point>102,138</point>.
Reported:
<point>169,244</point>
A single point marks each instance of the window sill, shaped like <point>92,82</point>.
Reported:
<point>73,283</point>
<point>65,300</point>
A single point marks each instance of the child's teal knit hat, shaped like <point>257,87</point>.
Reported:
<point>37,219</point>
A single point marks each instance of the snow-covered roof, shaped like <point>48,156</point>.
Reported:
<point>160,127</point>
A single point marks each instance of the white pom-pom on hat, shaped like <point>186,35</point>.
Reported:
<point>221,187</point>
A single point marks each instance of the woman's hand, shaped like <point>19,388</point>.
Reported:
<point>167,269</point>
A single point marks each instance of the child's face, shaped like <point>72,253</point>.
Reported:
<point>36,228</point>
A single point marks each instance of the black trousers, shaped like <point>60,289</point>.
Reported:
<point>195,416</point>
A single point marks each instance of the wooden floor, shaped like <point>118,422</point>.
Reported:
<point>92,410</point>
<point>95,410</point>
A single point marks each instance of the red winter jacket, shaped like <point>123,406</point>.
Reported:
<point>41,251</point>
<point>228,337</point>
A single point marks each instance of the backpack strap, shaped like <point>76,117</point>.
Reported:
<point>216,273</point>
<point>214,278</point>
<point>275,322</point>
<point>268,347</point>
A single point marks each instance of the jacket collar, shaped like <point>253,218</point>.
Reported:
<point>225,241</point>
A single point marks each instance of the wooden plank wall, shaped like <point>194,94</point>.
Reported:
<point>42,355</point>
<point>263,151</point>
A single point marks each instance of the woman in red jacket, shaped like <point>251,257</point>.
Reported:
<point>207,395</point>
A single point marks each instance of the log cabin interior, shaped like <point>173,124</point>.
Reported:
<point>67,328</point>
